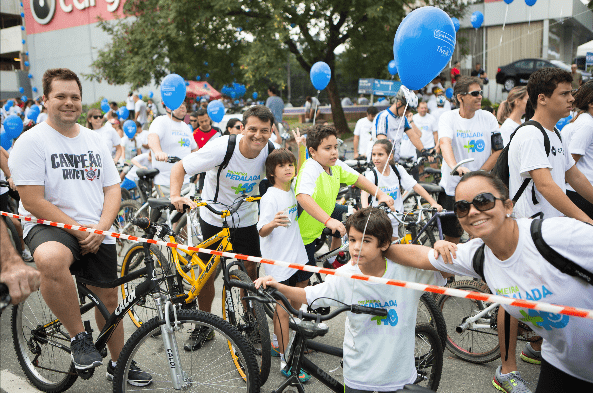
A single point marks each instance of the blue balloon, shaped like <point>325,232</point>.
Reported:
<point>105,100</point>
<point>320,75</point>
<point>232,64</point>
<point>216,111</point>
<point>130,128</point>
<point>392,67</point>
<point>187,83</point>
<point>35,90</point>
<point>423,45</point>
<point>508,1</point>
<point>478,18</point>
<point>22,14</point>
<point>24,98</point>
<point>13,126</point>
<point>207,75</point>
<point>5,140</point>
<point>30,76</point>
<point>530,3</point>
<point>27,53</point>
<point>173,91</point>
<point>563,122</point>
<point>456,24</point>
<point>449,92</point>
<point>151,94</point>
<point>254,95</point>
<point>236,102</point>
<point>205,63</point>
<point>21,90</point>
<point>140,96</point>
<point>123,113</point>
<point>26,64</point>
<point>23,42</point>
<point>33,113</point>
<point>105,107</point>
<point>23,28</point>
<point>9,104</point>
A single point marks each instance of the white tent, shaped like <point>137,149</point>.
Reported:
<point>583,49</point>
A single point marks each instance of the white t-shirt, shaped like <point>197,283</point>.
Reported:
<point>568,342</point>
<point>363,130</point>
<point>432,104</point>
<point>388,124</point>
<point>581,143</point>
<point>426,124</point>
<point>389,184</point>
<point>241,176</point>
<point>437,115</point>
<point>130,103</point>
<point>15,110</point>
<point>378,351</point>
<point>140,107</point>
<point>506,129</point>
<point>284,243</point>
<point>142,139</point>
<point>131,147</point>
<point>470,138</point>
<point>407,148</point>
<point>176,140</point>
<point>41,118</point>
<point>142,160</point>
<point>313,104</point>
<point>3,190</point>
<point>72,170</point>
<point>526,153</point>
<point>109,136</point>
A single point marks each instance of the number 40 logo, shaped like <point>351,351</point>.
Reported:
<point>476,145</point>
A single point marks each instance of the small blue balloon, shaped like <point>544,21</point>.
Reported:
<point>9,104</point>
<point>508,1</point>
<point>232,64</point>
<point>198,77</point>
<point>140,96</point>
<point>530,3</point>
<point>24,98</point>
<point>449,92</point>
<point>392,67</point>
<point>173,91</point>
<point>236,102</point>
<point>216,111</point>
<point>151,94</point>
<point>23,28</point>
<point>22,14</point>
<point>21,90</point>
<point>187,83</point>
<point>123,113</point>
<point>105,100</point>
<point>27,53</point>
<point>26,63</point>
<point>23,41</point>
<point>35,90</point>
<point>30,76</point>
<point>205,63</point>
<point>13,126</point>
<point>5,140</point>
<point>105,107</point>
<point>456,24</point>
<point>130,128</point>
<point>207,75</point>
<point>293,25</point>
<point>477,19</point>
<point>563,122</point>
<point>254,95</point>
<point>320,75</point>
<point>21,3</point>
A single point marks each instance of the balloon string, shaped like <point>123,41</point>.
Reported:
<point>529,24</point>
<point>504,22</point>
<point>315,115</point>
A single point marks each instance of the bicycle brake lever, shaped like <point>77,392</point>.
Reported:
<point>260,299</point>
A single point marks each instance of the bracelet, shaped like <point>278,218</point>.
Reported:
<point>325,223</point>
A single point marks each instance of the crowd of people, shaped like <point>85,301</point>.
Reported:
<point>66,172</point>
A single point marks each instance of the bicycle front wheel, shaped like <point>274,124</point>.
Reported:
<point>123,223</point>
<point>429,313</point>
<point>428,356</point>
<point>42,345</point>
<point>211,368</point>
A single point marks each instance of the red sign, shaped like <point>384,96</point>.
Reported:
<point>48,15</point>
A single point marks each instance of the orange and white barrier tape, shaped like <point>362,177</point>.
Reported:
<point>535,305</point>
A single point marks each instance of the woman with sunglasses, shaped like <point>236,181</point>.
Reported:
<point>233,126</point>
<point>94,121</point>
<point>512,264</point>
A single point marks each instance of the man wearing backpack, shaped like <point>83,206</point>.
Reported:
<point>234,165</point>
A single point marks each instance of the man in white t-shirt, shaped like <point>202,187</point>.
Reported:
<point>130,106</point>
<point>169,136</point>
<point>427,124</point>
<point>432,102</point>
<point>242,175</point>
<point>465,133</point>
<point>65,174</point>
<point>140,110</point>
<point>362,132</point>
<point>311,107</point>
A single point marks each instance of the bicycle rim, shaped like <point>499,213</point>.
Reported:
<point>127,210</point>
<point>428,356</point>
<point>42,345</point>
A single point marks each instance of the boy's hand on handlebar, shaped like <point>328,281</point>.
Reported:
<point>445,249</point>
<point>462,170</point>
<point>162,156</point>
<point>336,225</point>
<point>180,202</point>
<point>437,206</point>
<point>384,198</point>
<point>267,281</point>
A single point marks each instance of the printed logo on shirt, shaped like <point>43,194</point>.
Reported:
<point>477,145</point>
<point>469,134</point>
<point>244,188</point>
<point>242,176</point>
<point>292,209</point>
<point>184,142</point>
<point>78,166</point>
<point>390,320</point>
<point>391,191</point>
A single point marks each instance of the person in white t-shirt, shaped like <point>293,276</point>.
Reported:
<point>465,133</point>
<point>64,173</point>
<point>42,116</point>
<point>130,106</point>
<point>440,109</point>
<point>311,107</point>
<point>427,124</point>
<point>132,147</point>
<point>512,264</point>
<point>141,161</point>
<point>362,132</point>
<point>511,111</point>
<point>433,102</point>
<point>378,356</point>
<point>140,110</point>
<point>110,137</point>
<point>169,136</point>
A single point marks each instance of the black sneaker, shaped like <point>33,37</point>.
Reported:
<point>136,377</point>
<point>198,337</point>
<point>83,352</point>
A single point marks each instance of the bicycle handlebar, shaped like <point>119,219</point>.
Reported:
<point>173,159</point>
<point>5,298</point>
<point>4,183</point>
<point>460,163</point>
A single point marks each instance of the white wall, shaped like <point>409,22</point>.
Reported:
<point>11,40</point>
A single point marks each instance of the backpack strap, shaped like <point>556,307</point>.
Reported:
<point>271,147</point>
<point>376,184</point>
<point>399,178</point>
<point>561,263</point>
<point>478,261</point>
<point>225,162</point>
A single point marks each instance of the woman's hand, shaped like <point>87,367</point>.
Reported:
<point>445,249</point>
<point>267,281</point>
<point>436,206</point>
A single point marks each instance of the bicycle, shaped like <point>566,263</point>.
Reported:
<point>248,318</point>
<point>15,239</point>
<point>43,345</point>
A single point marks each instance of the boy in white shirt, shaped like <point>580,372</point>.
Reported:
<point>362,132</point>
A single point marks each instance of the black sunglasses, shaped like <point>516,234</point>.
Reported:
<point>475,93</point>
<point>97,117</point>
<point>237,127</point>
<point>483,202</point>
<point>193,121</point>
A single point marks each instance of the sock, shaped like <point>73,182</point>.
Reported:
<point>282,362</point>
<point>113,364</point>
<point>74,338</point>
<point>275,340</point>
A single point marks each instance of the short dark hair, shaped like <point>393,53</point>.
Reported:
<point>372,110</point>
<point>492,179</point>
<point>545,81</point>
<point>113,103</point>
<point>231,123</point>
<point>318,133</point>
<point>261,112</point>
<point>278,157</point>
<point>584,96</point>
<point>274,90</point>
<point>463,84</point>
<point>63,74</point>
<point>200,112</point>
<point>376,221</point>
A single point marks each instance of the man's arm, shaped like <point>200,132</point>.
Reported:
<point>177,176</point>
<point>111,204</point>
<point>355,145</point>
<point>576,157</point>
<point>4,167</point>
<point>154,143</point>
<point>414,138</point>
<point>410,255</point>
<point>119,152</point>
<point>489,164</point>
<point>579,182</point>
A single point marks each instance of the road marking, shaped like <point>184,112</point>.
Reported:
<point>13,383</point>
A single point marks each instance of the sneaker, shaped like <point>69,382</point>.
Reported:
<point>136,377</point>
<point>27,257</point>
<point>198,337</point>
<point>530,355</point>
<point>83,352</point>
<point>275,351</point>
<point>303,376</point>
<point>510,383</point>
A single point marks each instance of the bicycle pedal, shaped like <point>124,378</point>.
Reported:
<point>85,374</point>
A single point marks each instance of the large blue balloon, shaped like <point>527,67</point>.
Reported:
<point>392,67</point>
<point>24,98</point>
<point>216,111</point>
<point>21,90</point>
<point>456,23</point>
<point>254,95</point>
<point>423,45</point>
<point>13,126</point>
<point>123,113</point>
<point>173,91</point>
<point>508,1</point>
<point>130,128</point>
<point>449,92</point>
<point>563,122</point>
<point>33,113</point>
<point>530,3</point>
<point>477,19</point>
<point>105,107</point>
<point>105,100</point>
<point>320,75</point>
<point>5,140</point>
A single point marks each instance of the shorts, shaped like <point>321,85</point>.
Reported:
<point>128,184</point>
<point>298,276</point>
<point>99,267</point>
<point>244,240</point>
<point>450,224</point>
<point>552,379</point>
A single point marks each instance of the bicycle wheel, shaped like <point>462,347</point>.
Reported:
<point>224,364</point>
<point>475,344</point>
<point>429,313</point>
<point>127,210</point>
<point>181,228</point>
<point>428,355</point>
<point>250,320</point>
<point>42,345</point>
<point>133,259</point>
<point>14,235</point>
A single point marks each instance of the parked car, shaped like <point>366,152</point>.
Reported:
<point>518,72</point>
<point>566,67</point>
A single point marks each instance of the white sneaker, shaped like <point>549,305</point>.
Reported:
<point>27,257</point>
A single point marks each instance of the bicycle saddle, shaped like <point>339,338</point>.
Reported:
<point>147,173</point>
<point>160,203</point>
<point>432,188</point>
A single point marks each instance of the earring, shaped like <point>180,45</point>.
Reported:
<point>508,215</point>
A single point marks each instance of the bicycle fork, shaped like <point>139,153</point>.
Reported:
<point>470,321</point>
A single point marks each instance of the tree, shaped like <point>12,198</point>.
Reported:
<point>178,36</point>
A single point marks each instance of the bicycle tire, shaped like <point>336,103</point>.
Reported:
<point>15,239</point>
<point>125,194</point>
<point>127,210</point>
<point>251,322</point>
<point>34,329</point>
<point>428,356</point>
<point>181,230</point>
<point>225,363</point>
<point>429,313</point>
<point>472,345</point>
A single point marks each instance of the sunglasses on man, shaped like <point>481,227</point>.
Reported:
<point>483,202</point>
<point>475,93</point>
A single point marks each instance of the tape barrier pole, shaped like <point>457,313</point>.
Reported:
<point>541,306</point>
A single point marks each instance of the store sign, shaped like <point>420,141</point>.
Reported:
<point>47,15</point>
<point>589,62</point>
<point>380,87</point>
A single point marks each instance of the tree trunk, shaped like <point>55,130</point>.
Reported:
<point>337,112</point>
